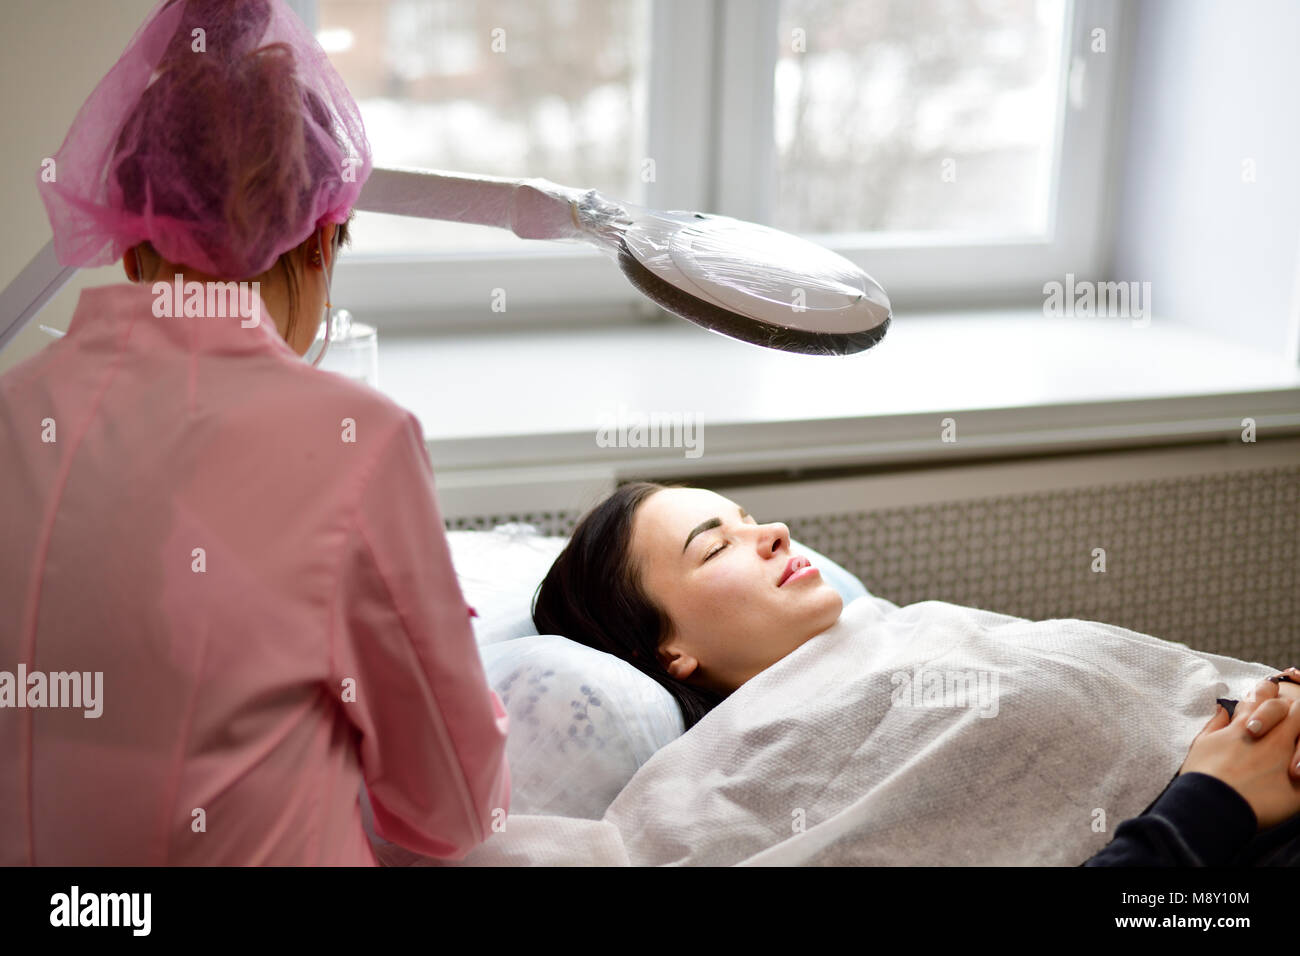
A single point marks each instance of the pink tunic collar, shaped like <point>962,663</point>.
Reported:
<point>238,322</point>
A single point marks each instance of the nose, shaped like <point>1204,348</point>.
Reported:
<point>775,537</point>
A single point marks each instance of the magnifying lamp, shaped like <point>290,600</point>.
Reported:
<point>740,279</point>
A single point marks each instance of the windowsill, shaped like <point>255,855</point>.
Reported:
<point>1013,381</point>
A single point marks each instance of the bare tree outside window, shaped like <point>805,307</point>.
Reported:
<point>521,88</point>
<point>890,116</point>
<point>917,115</point>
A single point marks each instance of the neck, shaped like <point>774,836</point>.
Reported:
<point>271,293</point>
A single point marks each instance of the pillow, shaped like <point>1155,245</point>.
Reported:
<point>582,721</point>
<point>498,571</point>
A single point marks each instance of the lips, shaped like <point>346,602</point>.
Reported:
<point>797,563</point>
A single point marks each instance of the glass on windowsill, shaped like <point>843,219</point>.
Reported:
<point>353,350</point>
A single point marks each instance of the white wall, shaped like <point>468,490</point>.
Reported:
<point>1214,83</point>
<point>52,53</point>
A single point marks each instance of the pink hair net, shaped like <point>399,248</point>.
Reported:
<point>223,148</point>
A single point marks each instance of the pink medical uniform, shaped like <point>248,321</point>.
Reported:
<point>251,552</point>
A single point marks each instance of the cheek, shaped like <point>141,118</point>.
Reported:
<point>729,588</point>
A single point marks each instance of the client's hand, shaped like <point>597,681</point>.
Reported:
<point>1256,760</point>
<point>1286,689</point>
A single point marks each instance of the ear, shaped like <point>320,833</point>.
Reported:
<point>677,662</point>
<point>314,258</point>
<point>131,264</point>
<point>318,256</point>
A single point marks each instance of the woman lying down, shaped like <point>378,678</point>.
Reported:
<point>931,734</point>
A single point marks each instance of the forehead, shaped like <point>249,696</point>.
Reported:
<point>673,512</point>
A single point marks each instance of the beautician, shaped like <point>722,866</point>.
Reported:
<point>248,549</point>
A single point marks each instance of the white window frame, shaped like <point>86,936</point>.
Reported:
<point>710,135</point>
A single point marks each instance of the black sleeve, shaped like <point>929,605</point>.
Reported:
<point>1198,821</point>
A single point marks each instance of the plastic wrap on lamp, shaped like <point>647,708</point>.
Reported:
<point>746,281</point>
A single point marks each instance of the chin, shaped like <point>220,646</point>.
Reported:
<point>833,603</point>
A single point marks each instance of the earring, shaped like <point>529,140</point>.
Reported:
<point>315,257</point>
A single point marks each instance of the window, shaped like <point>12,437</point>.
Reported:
<point>943,117</point>
<point>954,150</point>
<point>514,88</point>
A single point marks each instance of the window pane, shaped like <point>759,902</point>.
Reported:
<point>917,115</point>
<point>561,97</point>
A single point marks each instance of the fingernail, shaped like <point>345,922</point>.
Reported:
<point>1253,726</point>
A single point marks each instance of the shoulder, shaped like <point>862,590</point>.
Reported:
<point>27,370</point>
<point>317,397</point>
<point>317,429</point>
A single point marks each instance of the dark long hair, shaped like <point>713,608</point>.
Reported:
<point>592,594</point>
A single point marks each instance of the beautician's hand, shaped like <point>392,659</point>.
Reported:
<point>1256,761</point>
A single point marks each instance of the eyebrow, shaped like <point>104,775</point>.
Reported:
<point>706,526</point>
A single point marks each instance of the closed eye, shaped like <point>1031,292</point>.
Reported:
<point>710,525</point>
